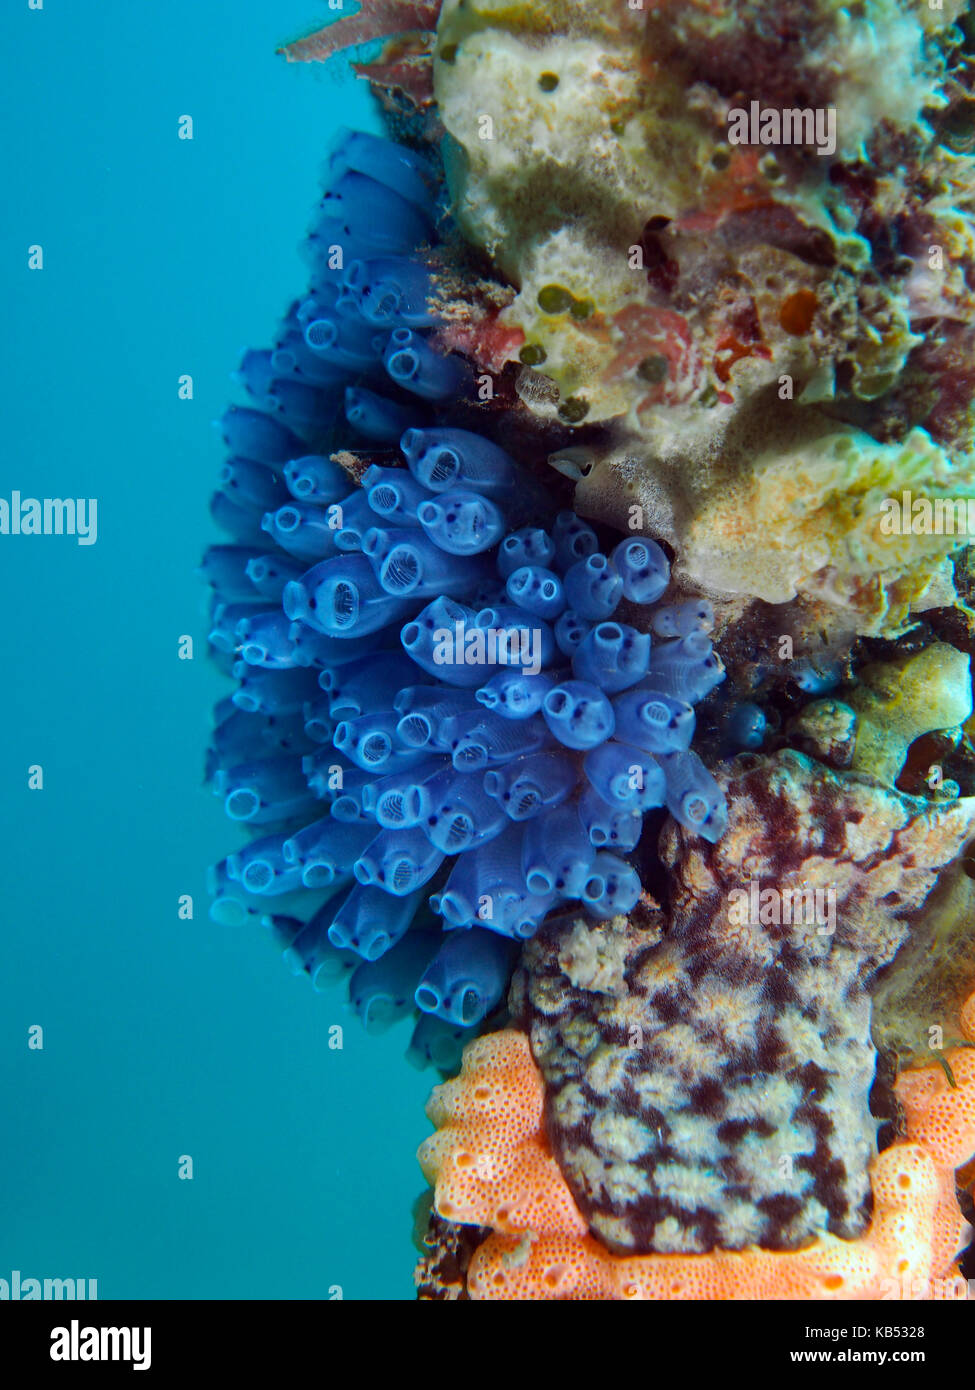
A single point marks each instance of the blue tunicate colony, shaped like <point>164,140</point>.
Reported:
<point>439,721</point>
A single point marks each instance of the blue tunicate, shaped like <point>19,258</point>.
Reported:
<point>242,524</point>
<point>652,721</point>
<point>404,171</point>
<point>613,886</point>
<point>693,796</point>
<point>444,459</point>
<point>342,597</point>
<point>270,573</point>
<point>538,591</point>
<point>398,861</point>
<point>578,714</point>
<point>367,207</point>
<point>462,523</point>
<point>265,790</point>
<point>369,683</point>
<point>593,588</point>
<point>573,540</point>
<point>391,292</point>
<point>529,546</point>
<point>481,881</point>
<point>455,812</point>
<point>609,827</point>
<point>570,631</point>
<point>514,695</point>
<point>325,850</point>
<point>479,739</point>
<point>816,678</point>
<point>416,367</point>
<point>382,990</point>
<point>557,854</point>
<point>272,692</point>
<point>626,777</point>
<point>369,921</point>
<point>256,372</point>
<point>225,569</point>
<point>254,435</point>
<point>745,726</point>
<point>302,529</point>
<point>394,494</point>
<point>643,569</point>
<point>612,656</point>
<point>681,619</point>
<point>436,639</point>
<point>424,710</point>
<point>371,743</point>
<point>224,621</point>
<point>261,867</point>
<point>686,669</point>
<point>312,478</point>
<point>532,784</point>
<point>466,977</point>
<point>264,639</point>
<point>397,802</point>
<point>409,563</point>
<point>436,1043</point>
<point>353,517</point>
<point>304,408</point>
<point>344,343</point>
<point>250,484</point>
<point>377,417</point>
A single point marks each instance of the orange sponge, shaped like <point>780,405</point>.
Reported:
<point>491,1166</point>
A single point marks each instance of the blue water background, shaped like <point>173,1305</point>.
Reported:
<point>161,1037</point>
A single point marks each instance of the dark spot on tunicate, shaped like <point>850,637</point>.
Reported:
<point>548,81</point>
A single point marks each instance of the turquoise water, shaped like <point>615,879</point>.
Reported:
<point>162,1037</point>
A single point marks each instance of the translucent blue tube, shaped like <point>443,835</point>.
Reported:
<point>398,861</point>
<point>676,669</point>
<point>242,524</point>
<point>254,435</point>
<point>444,459</point>
<point>513,695</point>
<point>307,950</point>
<point>240,737</point>
<point>263,791</point>
<point>343,343</point>
<point>694,797</point>
<point>612,656</point>
<point>377,417</point>
<point>264,639</point>
<point>557,854</point>
<point>573,539</point>
<point>268,574</point>
<point>353,517</point>
<point>481,880</point>
<point>415,366</point>
<point>462,523</point>
<point>537,591</point>
<point>294,359</point>
<point>402,170</point>
<point>367,208</point>
<point>467,976</point>
<point>409,564</point>
<point>224,568</point>
<point>436,639</point>
<point>394,494</point>
<point>609,827</point>
<point>745,726</point>
<point>369,921</point>
<point>478,739</point>
<point>391,292</point>
<point>613,887</point>
<point>370,683</point>
<point>303,407</point>
<point>454,811</point>
<point>593,588</point>
<point>224,622</point>
<point>570,631</point>
<point>302,529</point>
<point>255,373</point>
<point>652,721</point>
<point>326,772</point>
<point>423,710</point>
<point>381,991</point>
<point>272,692</point>
<point>347,806</point>
<point>529,546</point>
<point>680,619</point>
<point>330,247</point>
<point>254,485</point>
<point>512,638</point>
<point>261,868</point>
<point>371,742</point>
<point>435,1043</point>
<point>342,597</point>
<point>528,786</point>
<point>578,714</point>
<point>628,778</point>
<point>326,850</point>
<point>396,802</point>
<point>643,568</point>
<point>521,914</point>
<point>312,648</point>
<point>232,904</point>
<point>312,478</point>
